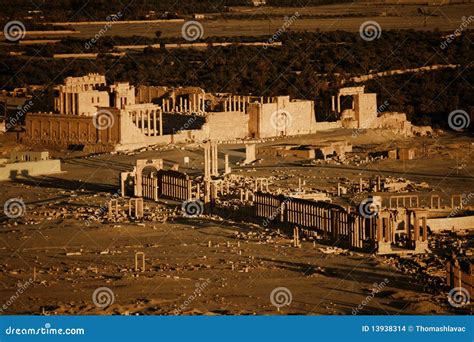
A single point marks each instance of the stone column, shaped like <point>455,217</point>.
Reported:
<point>161,122</point>
<point>207,161</point>
<point>214,160</point>
<point>227,168</point>
<point>148,114</point>
<point>425,229</point>
<point>416,226</point>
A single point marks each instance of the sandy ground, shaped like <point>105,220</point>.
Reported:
<point>205,265</point>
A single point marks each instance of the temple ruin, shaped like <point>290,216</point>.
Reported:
<point>99,117</point>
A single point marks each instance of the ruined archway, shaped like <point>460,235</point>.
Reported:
<point>140,166</point>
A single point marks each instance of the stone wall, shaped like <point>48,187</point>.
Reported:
<point>34,168</point>
<point>226,125</point>
<point>60,131</point>
<point>451,223</point>
<point>365,109</point>
<point>281,118</point>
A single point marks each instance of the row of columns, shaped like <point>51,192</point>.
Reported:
<point>149,122</point>
<point>195,103</point>
<point>404,199</point>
